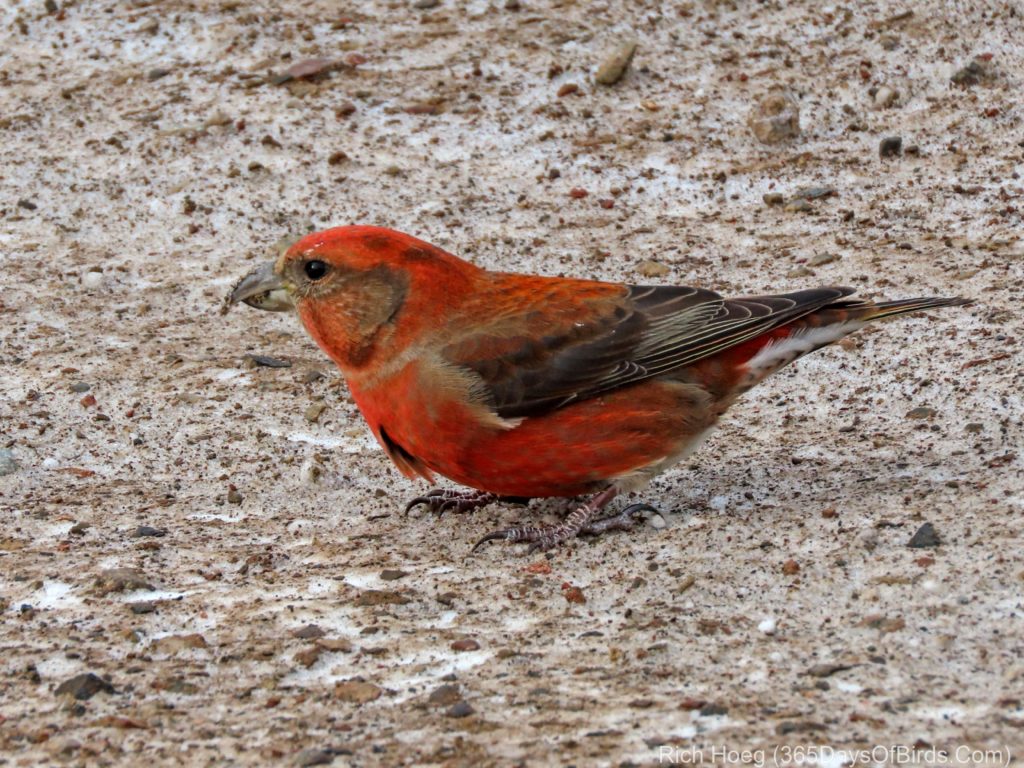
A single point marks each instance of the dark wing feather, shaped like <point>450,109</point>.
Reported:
<point>649,331</point>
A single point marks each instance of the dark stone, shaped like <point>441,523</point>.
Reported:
<point>460,709</point>
<point>710,710</point>
<point>270,362</point>
<point>308,632</point>
<point>444,696</point>
<point>84,686</point>
<point>924,538</point>
<point>890,146</point>
<point>976,71</point>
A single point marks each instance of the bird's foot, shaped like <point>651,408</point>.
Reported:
<point>623,521</point>
<point>580,520</point>
<point>441,500</point>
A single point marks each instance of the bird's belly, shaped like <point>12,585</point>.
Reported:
<point>622,438</point>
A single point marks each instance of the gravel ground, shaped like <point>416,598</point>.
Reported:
<point>220,542</point>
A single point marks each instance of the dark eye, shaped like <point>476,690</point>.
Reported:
<point>315,269</point>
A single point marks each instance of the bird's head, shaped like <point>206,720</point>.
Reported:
<point>350,285</point>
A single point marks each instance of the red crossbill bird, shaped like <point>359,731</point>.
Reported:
<point>522,386</point>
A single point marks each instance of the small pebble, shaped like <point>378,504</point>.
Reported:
<point>885,97</point>
<point>92,280</point>
<point>775,119</point>
<point>8,464</point>
<point>310,757</point>
<point>444,696</point>
<point>120,580</point>
<point>147,530</point>
<point>574,595</point>
<point>975,72</point>
<point>891,146</point>
<point>925,537</point>
<point>822,259</point>
<point>311,471</point>
<point>827,670</point>
<point>773,198</point>
<point>84,686</point>
<point>649,268</point>
<point>814,193</point>
<point>889,42</point>
<point>357,691</point>
<point>616,64</point>
<point>308,632</point>
<point>313,412</point>
<point>460,709</point>
<point>266,361</point>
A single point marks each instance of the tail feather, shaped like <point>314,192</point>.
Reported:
<point>781,346</point>
<point>903,306</point>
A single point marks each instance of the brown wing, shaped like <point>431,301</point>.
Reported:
<point>643,332</point>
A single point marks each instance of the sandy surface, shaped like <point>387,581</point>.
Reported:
<point>148,158</point>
